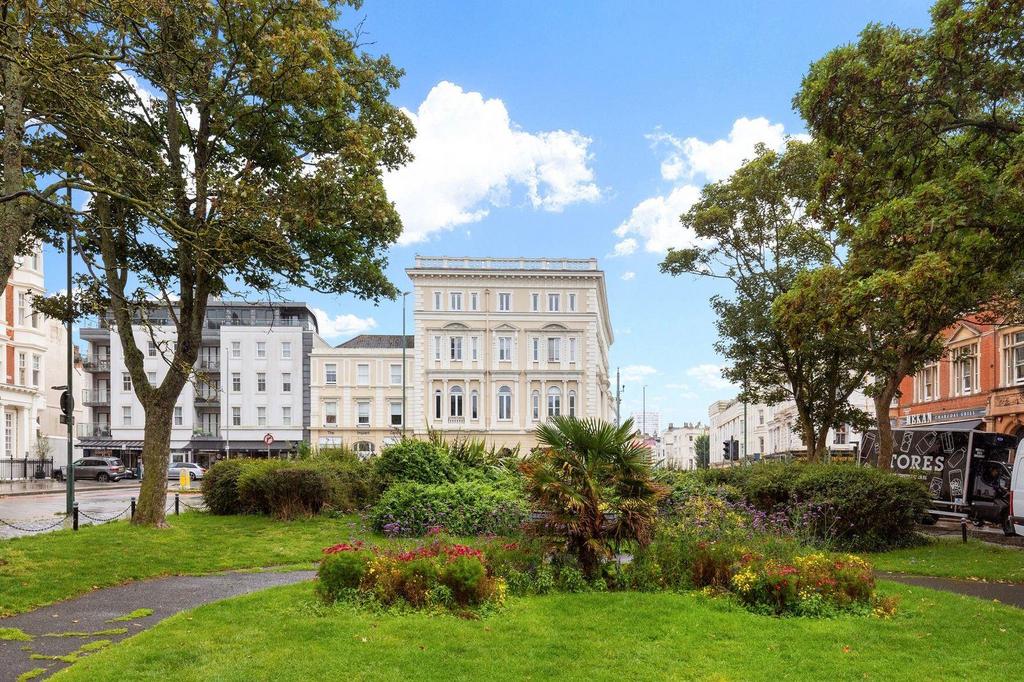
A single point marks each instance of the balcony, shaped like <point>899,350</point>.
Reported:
<point>95,398</point>
<point>209,398</point>
<point>456,421</point>
<point>93,430</point>
<point>92,363</point>
<point>205,434</point>
<point>208,365</point>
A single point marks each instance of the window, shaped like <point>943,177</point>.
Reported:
<point>437,300</point>
<point>363,374</point>
<point>474,405</point>
<point>236,349</point>
<point>505,403</point>
<point>572,303</point>
<point>965,370</point>
<point>760,443</point>
<point>363,413</point>
<point>926,383</point>
<point>396,414</point>
<point>179,418</point>
<point>22,307</point>
<point>840,435</point>
<point>504,302</point>
<point>9,434</point>
<point>396,375</point>
<point>505,348</point>
<point>261,416</point>
<point>286,415</point>
<point>535,343</point>
<point>572,349</point>
<point>126,382</point>
<point>553,300</point>
<point>437,404</point>
<point>330,373</point>
<point>554,349</point>
<point>437,348</point>
<point>261,382</point>
<point>535,405</point>
<point>152,349</point>
<point>330,413</point>
<point>151,378</point>
<point>286,382</point>
<point>474,301</point>
<point>760,417</point>
<point>554,402</point>
<point>572,403</point>
<point>36,365</point>
<point>455,401</point>
<point>23,370</point>
<point>35,260</point>
<point>236,382</point>
<point>261,349</point>
<point>286,350</point>
<point>363,448</point>
<point>535,302</point>
<point>126,415</point>
<point>474,350</point>
<point>236,416</point>
<point>456,347</point>
<point>1013,358</point>
<point>455,300</point>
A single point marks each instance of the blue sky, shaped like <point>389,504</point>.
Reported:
<point>582,129</point>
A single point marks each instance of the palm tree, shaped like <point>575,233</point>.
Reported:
<point>594,480</point>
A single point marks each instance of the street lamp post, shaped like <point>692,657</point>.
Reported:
<point>405,345</point>
<point>70,416</point>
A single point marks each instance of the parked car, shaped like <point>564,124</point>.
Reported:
<point>194,470</point>
<point>1016,511</point>
<point>102,469</point>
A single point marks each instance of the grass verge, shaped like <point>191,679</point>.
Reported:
<point>952,558</point>
<point>281,634</point>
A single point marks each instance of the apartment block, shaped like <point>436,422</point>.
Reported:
<point>252,379</point>
<point>677,446</point>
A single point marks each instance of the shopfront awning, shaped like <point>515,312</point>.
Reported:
<point>965,425</point>
<point>108,444</point>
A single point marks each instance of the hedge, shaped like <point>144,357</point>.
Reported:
<point>462,508</point>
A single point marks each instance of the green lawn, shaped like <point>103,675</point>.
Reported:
<point>280,634</point>
<point>951,558</point>
<point>45,568</point>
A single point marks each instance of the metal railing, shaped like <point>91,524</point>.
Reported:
<point>95,397</point>
<point>93,430</point>
<point>210,397</point>
<point>13,469</point>
<point>447,262</point>
<point>209,364</point>
<point>201,434</point>
<point>96,363</point>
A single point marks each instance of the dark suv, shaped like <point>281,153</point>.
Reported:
<point>99,468</point>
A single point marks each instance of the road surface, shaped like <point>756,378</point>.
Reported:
<point>38,513</point>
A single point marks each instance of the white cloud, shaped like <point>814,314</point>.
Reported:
<point>633,373</point>
<point>626,276</point>
<point>710,376</point>
<point>682,391</point>
<point>342,325</point>
<point>470,155</point>
<point>689,164</point>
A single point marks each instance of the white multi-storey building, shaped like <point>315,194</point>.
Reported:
<point>677,446</point>
<point>251,380</point>
<point>647,423</point>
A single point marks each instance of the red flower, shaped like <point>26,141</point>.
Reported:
<point>344,547</point>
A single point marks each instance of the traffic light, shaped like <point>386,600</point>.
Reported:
<point>735,450</point>
<point>727,450</point>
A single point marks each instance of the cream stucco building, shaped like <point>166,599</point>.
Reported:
<point>499,345</point>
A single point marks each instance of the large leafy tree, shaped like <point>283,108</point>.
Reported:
<point>594,480</point>
<point>759,231</point>
<point>924,137</point>
<point>245,155</point>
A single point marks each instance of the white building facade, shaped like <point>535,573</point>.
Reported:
<point>251,380</point>
<point>647,423</point>
<point>677,446</point>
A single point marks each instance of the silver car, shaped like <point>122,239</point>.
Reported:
<point>102,469</point>
<point>194,470</point>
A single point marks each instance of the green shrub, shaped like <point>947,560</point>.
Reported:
<point>464,576</point>
<point>341,573</point>
<point>463,508</point>
<point>416,461</point>
<point>254,485</point>
<point>354,483</point>
<point>297,490</point>
<point>220,487</point>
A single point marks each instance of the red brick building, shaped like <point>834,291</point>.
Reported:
<point>980,378</point>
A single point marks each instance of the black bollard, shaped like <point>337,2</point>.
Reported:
<point>133,507</point>
<point>963,529</point>
<point>177,502</point>
<point>74,517</point>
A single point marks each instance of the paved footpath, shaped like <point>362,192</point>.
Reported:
<point>92,612</point>
<point>1007,593</point>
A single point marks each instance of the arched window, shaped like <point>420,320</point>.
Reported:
<point>554,402</point>
<point>474,405</point>
<point>535,405</point>
<point>505,403</point>
<point>572,403</point>
<point>455,401</point>
<point>437,404</point>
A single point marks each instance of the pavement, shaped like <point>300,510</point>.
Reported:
<point>950,528</point>
<point>97,503</point>
<point>93,612</point>
<point>1007,593</point>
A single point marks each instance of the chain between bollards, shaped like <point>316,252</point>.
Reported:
<point>74,516</point>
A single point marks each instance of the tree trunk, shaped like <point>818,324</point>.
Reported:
<point>156,450</point>
<point>882,457</point>
<point>810,438</point>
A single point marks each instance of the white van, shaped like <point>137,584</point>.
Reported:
<point>1017,490</point>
